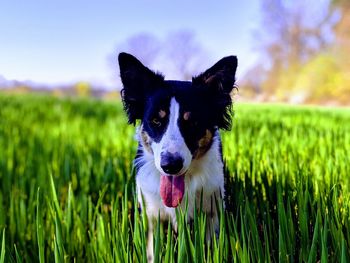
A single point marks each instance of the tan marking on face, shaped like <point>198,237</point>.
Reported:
<point>146,141</point>
<point>162,114</point>
<point>204,144</point>
<point>187,115</point>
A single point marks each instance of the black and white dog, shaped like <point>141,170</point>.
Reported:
<point>179,150</point>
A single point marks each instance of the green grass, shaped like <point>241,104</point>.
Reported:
<point>67,187</point>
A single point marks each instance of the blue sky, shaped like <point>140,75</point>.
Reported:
<point>66,41</point>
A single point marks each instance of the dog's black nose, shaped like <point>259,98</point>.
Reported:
<point>171,163</point>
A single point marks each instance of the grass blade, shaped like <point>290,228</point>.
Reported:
<point>157,242</point>
<point>313,250</point>
<point>39,228</point>
<point>2,253</point>
<point>18,258</point>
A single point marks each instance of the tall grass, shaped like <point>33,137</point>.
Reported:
<point>67,187</point>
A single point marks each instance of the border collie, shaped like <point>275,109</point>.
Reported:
<point>179,152</point>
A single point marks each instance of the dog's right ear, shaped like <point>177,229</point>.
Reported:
<point>138,81</point>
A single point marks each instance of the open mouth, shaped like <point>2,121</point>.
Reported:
<point>172,188</point>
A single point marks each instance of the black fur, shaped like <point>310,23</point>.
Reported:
<point>219,81</point>
<point>138,82</point>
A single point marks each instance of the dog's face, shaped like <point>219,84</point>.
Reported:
<point>178,118</point>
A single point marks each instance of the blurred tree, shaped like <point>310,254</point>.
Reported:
<point>300,62</point>
<point>179,53</point>
<point>293,32</point>
<point>343,26</point>
<point>306,52</point>
<point>185,54</point>
<point>146,47</point>
<point>82,89</point>
<point>322,80</point>
<point>251,81</point>
<point>342,30</point>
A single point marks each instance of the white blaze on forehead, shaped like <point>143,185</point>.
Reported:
<point>172,140</point>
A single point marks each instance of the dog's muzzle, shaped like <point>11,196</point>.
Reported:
<point>171,163</point>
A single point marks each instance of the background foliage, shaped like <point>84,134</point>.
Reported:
<point>304,54</point>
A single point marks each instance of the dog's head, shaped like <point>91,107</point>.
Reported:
<point>178,118</point>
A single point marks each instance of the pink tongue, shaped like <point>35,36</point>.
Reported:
<point>172,189</point>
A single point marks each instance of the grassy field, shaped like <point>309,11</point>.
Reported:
<point>67,187</point>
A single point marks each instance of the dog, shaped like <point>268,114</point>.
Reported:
<point>179,147</point>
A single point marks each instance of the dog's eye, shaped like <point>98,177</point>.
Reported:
<point>189,120</point>
<point>187,115</point>
<point>156,122</point>
<point>194,123</point>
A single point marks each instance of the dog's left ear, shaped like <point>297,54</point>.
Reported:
<point>219,80</point>
<point>221,76</point>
